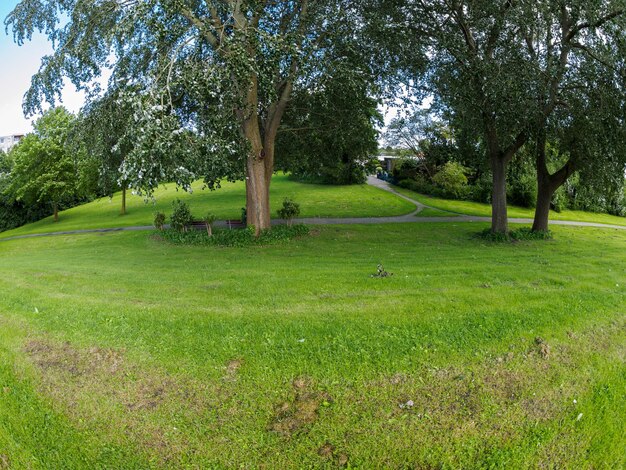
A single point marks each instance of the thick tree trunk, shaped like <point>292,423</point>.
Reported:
<point>547,184</point>
<point>123,210</point>
<point>542,210</point>
<point>499,217</point>
<point>257,181</point>
<point>55,208</point>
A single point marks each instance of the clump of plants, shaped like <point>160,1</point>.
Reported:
<point>380,272</point>
<point>159,220</point>
<point>520,234</point>
<point>181,217</point>
<point>236,238</point>
<point>289,211</point>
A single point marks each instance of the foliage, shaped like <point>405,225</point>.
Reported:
<point>236,237</point>
<point>159,220</point>
<point>289,211</point>
<point>211,80</point>
<point>406,168</point>
<point>522,187</point>
<point>329,133</point>
<point>43,169</point>
<point>451,178</point>
<point>520,234</point>
<point>181,217</point>
<point>518,72</point>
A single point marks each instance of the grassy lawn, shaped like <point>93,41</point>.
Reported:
<point>484,210</point>
<point>226,203</point>
<point>430,212</point>
<point>122,351</point>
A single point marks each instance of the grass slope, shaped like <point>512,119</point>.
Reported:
<point>484,210</point>
<point>226,203</point>
<point>292,356</point>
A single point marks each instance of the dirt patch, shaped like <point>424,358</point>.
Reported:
<point>541,347</point>
<point>329,453</point>
<point>298,415</point>
<point>326,451</point>
<point>232,370</point>
<point>96,385</point>
<point>65,358</point>
<point>5,463</point>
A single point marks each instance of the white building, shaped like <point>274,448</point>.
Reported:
<point>8,141</point>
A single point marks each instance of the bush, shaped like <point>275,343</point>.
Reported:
<point>159,220</point>
<point>240,238</point>
<point>405,168</point>
<point>289,211</point>
<point>181,217</point>
<point>451,178</point>
<point>520,234</point>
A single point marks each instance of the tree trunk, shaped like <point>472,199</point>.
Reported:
<point>257,181</point>
<point>547,184</point>
<point>123,211</point>
<point>55,208</point>
<point>542,210</point>
<point>499,216</point>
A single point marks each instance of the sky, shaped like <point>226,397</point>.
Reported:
<point>17,66</point>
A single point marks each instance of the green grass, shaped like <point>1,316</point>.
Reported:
<point>293,356</point>
<point>430,212</point>
<point>484,210</point>
<point>225,203</point>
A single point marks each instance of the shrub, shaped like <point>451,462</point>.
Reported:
<point>208,221</point>
<point>405,168</point>
<point>238,238</point>
<point>181,216</point>
<point>451,178</point>
<point>520,234</point>
<point>159,220</point>
<point>289,211</point>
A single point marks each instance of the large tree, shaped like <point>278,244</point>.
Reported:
<point>215,76</point>
<point>43,170</point>
<point>500,67</point>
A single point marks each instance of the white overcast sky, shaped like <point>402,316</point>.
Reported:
<point>17,66</point>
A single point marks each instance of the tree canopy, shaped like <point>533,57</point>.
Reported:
<point>507,68</point>
<point>213,78</point>
<point>43,170</point>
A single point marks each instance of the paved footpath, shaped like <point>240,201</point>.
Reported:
<point>372,181</point>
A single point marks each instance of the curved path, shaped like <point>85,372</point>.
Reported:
<point>371,180</point>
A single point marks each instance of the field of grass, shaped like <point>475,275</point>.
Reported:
<point>225,203</point>
<point>122,351</point>
<point>484,210</point>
